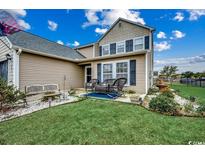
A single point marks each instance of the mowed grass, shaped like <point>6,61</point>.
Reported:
<point>101,122</point>
<point>187,91</point>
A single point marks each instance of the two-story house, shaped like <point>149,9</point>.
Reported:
<point>125,50</point>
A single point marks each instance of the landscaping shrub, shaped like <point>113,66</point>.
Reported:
<point>71,91</point>
<point>188,107</point>
<point>163,104</point>
<point>168,94</point>
<point>153,90</point>
<point>130,91</point>
<point>201,108</point>
<point>9,95</point>
<point>192,98</point>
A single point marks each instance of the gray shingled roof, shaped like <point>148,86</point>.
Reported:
<point>33,42</point>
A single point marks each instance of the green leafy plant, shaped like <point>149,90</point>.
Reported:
<point>9,95</point>
<point>71,91</point>
<point>131,91</point>
<point>201,108</point>
<point>192,98</point>
<point>168,94</point>
<point>188,107</point>
<point>153,90</point>
<point>163,104</point>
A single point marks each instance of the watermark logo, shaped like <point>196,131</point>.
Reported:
<point>8,24</point>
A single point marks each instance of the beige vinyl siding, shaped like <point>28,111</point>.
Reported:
<point>125,32</point>
<point>36,69</point>
<point>96,46</point>
<point>4,48</point>
<point>87,51</point>
<point>140,71</point>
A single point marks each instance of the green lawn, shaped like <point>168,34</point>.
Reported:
<point>187,91</point>
<point>101,122</point>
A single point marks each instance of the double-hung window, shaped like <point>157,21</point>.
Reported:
<point>107,71</point>
<point>138,43</point>
<point>105,49</point>
<point>120,47</point>
<point>122,70</point>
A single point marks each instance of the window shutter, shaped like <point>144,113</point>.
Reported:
<point>99,72</point>
<point>100,51</point>
<point>129,45</point>
<point>113,48</point>
<point>146,42</point>
<point>133,72</point>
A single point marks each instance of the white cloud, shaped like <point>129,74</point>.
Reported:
<point>18,14</point>
<point>196,14</point>
<point>60,42</point>
<point>52,25</point>
<point>92,17</point>
<point>108,17</point>
<point>74,44</point>
<point>195,63</point>
<point>100,30</point>
<point>177,34</point>
<point>23,24</point>
<point>162,46</point>
<point>179,16</point>
<point>161,35</point>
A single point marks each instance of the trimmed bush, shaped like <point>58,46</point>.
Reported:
<point>163,104</point>
<point>168,94</point>
<point>201,108</point>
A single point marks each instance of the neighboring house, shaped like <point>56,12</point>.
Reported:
<point>125,50</point>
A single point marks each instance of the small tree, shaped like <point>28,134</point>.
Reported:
<point>187,74</point>
<point>169,72</point>
<point>9,95</point>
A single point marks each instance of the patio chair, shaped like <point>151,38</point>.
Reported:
<point>91,84</point>
<point>118,86</point>
<point>104,86</point>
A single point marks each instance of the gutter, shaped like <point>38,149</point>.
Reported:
<point>42,54</point>
<point>79,61</point>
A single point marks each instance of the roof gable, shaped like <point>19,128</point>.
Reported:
<point>125,20</point>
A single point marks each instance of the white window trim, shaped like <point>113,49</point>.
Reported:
<point>108,49</point>
<point>143,44</point>
<point>85,75</point>
<point>143,37</point>
<point>114,70</point>
<point>124,47</point>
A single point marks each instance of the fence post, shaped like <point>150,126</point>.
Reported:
<point>200,82</point>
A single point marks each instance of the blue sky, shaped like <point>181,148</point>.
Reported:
<point>179,38</point>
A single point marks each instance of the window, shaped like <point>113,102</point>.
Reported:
<point>138,43</point>
<point>122,70</point>
<point>105,50</point>
<point>107,71</point>
<point>120,47</point>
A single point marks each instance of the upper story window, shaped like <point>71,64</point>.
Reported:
<point>138,43</point>
<point>120,47</point>
<point>105,49</point>
<point>130,45</point>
